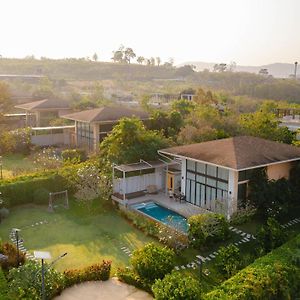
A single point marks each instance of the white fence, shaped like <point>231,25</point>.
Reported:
<point>137,183</point>
<point>50,139</point>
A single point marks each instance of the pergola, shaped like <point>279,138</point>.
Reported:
<point>142,165</point>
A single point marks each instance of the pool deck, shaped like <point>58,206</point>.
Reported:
<point>183,208</point>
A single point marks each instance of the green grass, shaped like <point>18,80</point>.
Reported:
<point>88,237</point>
<point>16,164</point>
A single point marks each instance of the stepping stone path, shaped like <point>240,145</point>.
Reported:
<point>245,237</point>
<point>126,251</point>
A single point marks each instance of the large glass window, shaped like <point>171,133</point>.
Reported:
<point>205,183</point>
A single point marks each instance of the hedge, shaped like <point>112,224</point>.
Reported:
<point>273,276</point>
<point>90,273</point>
<point>35,188</point>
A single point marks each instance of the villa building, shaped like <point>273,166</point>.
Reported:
<point>40,113</point>
<point>92,126</point>
<point>213,176</point>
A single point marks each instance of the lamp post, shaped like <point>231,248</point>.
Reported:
<point>46,255</point>
<point>295,73</point>
<point>16,232</point>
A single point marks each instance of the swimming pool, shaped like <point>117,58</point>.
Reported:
<point>163,215</point>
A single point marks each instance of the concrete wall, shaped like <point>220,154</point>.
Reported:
<point>51,139</point>
<point>233,189</point>
<point>278,171</point>
<point>183,175</point>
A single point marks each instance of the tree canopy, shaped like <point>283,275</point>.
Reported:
<point>130,141</point>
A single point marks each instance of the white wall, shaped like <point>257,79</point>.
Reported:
<point>278,171</point>
<point>138,183</point>
<point>50,139</point>
<point>233,189</point>
<point>183,175</point>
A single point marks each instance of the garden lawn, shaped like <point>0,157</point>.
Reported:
<point>87,237</point>
<point>16,163</point>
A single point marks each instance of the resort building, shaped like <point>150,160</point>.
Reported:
<point>211,176</point>
<point>92,126</point>
<point>40,113</point>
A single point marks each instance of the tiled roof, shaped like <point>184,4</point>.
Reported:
<point>242,152</point>
<point>44,104</point>
<point>104,114</point>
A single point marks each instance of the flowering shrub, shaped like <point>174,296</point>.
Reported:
<point>73,156</point>
<point>10,250</point>
<point>15,141</point>
<point>47,158</point>
<point>207,228</point>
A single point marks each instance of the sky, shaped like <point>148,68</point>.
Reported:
<point>248,32</point>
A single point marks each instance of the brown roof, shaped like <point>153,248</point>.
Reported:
<point>242,152</point>
<point>104,114</point>
<point>44,104</point>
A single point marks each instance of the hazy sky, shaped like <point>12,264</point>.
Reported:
<point>249,32</point>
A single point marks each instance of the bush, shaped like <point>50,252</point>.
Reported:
<point>10,250</point>
<point>228,261</point>
<point>153,262</point>
<point>25,282</point>
<point>176,286</point>
<point>3,286</point>
<point>242,216</point>
<point>271,277</point>
<point>130,277</point>
<point>16,141</point>
<point>74,155</point>
<point>270,236</point>
<point>207,228</point>
<point>90,273</point>
<point>4,212</point>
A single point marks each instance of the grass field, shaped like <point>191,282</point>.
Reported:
<point>87,237</point>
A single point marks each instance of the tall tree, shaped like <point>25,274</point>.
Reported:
<point>130,141</point>
<point>158,61</point>
<point>95,57</point>
<point>129,54</point>
<point>140,60</point>
<point>117,56</point>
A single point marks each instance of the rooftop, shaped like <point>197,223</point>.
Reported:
<point>238,153</point>
<point>105,114</point>
<point>44,104</point>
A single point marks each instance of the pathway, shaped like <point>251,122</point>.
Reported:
<point>112,289</point>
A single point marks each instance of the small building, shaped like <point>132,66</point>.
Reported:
<point>40,113</point>
<point>92,126</point>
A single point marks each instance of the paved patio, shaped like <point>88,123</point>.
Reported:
<point>112,289</point>
<point>183,208</point>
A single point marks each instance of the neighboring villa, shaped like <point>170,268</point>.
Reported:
<point>211,175</point>
<point>40,113</point>
<point>290,118</point>
<point>92,126</point>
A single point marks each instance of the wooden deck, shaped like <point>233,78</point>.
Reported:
<point>183,208</point>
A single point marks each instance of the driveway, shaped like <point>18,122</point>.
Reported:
<point>112,289</point>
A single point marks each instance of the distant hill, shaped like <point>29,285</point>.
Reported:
<point>278,70</point>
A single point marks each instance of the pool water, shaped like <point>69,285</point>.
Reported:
<point>163,215</point>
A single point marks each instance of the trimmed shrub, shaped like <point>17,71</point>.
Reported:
<point>73,155</point>
<point>153,262</point>
<point>90,273</point>
<point>275,276</point>
<point>10,250</point>
<point>25,282</point>
<point>176,286</point>
<point>228,260</point>
<point>207,228</point>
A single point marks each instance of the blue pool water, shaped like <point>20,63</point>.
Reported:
<point>163,215</point>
